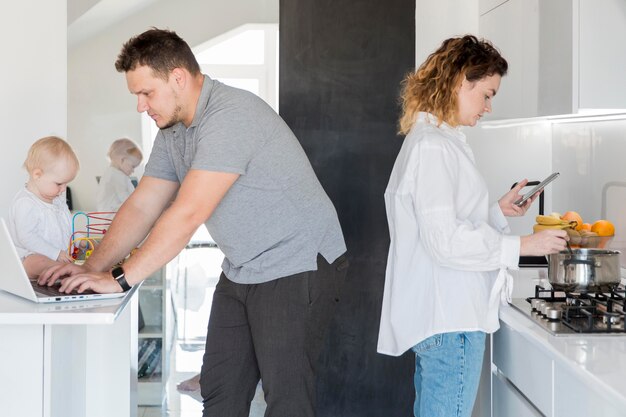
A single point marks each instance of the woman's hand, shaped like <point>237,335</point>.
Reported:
<point>507,202</point>
<point>543,243</point>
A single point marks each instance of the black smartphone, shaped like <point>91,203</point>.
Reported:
<point>536,189</point>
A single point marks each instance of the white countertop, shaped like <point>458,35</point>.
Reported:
<point>601,360</point>
<point>17,310</point>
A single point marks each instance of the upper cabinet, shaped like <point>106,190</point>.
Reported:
<point>485,5</point>
<point>565,56</point>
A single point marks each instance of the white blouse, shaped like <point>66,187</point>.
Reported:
<point>114,188</point>
<point>39,227</point>
<point>449,254</point>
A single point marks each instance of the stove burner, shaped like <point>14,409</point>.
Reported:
<point>581,312</point>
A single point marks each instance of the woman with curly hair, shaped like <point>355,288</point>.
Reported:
<point>450,251</point>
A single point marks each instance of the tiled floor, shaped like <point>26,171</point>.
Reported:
<point>193,307</point>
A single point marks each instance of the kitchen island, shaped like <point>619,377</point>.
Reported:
<point>68,359</point>
<point>535,373</point>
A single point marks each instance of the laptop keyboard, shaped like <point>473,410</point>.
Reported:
<point>54,290</point>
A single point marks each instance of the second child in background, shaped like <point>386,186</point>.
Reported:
<point>39,219</point>
<point>115,185</point>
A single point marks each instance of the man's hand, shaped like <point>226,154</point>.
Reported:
<point>50,275</point>
<point>100,282</point>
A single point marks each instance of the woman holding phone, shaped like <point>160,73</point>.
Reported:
<point>450,250</point>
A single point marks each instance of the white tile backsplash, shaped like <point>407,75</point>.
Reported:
<point>591,156</point>
<point>505,155</point>
<point>588,154</point>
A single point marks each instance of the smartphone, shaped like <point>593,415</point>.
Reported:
<point>536,189</point>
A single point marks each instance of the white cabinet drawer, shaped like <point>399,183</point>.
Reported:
<point>524,365</point>
<point>579,397</point>
<point>507,401</point>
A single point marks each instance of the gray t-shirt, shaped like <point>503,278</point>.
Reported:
<point>277,217</point>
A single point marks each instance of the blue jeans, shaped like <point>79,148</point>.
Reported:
<point>447,372</point>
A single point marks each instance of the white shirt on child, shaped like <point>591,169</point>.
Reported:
<point>449,251</point>
<point>39,227</point>
<point>114,188</point>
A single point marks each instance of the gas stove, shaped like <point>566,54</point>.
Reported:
<point>565,314</point>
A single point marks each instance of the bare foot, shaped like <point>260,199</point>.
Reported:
<point>190,385</point>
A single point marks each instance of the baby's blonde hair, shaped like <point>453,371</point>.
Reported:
<point>47,151</point>
<point>122,148</point>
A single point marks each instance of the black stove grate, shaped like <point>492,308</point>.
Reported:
<point>588,312</point>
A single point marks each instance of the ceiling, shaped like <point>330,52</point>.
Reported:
<point>86,18</point>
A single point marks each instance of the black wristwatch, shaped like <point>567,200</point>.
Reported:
<point>118,275</point>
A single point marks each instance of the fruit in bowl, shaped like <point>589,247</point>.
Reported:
<point>581,235</point>
<point>572,216</point>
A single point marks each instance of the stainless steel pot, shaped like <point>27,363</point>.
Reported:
<point>584,270</point>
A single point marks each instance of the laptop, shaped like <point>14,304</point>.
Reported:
<point>15,281</point>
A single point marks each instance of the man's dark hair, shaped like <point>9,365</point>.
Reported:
<point>162,50</point>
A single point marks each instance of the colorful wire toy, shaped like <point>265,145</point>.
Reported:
<point>83,242</point>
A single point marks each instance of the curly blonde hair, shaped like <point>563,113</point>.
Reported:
<point>434,86</point>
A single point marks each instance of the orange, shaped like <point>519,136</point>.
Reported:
<point>572,216</point>
<point>586,226</point>
<point>603,228</point>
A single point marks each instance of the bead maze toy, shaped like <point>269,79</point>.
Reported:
<point>88,228</point>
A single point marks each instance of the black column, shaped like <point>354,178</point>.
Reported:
<point>341,64</point>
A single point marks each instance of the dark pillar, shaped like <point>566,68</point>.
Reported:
<point>341,64</point>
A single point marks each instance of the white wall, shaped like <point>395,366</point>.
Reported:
<point>100,108</point>
<point>34,83</point>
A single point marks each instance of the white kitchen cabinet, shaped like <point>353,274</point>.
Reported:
<point>513,29</point>
<point>525,365</point>
<point>485,6</point>
<point>565,56</point>
<point>534,373</point>
<point>508,401</point>
<point>71,359</point>
<point>590,399</point>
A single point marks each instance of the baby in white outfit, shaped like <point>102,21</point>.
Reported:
<point>115,185</point>
<point>39,219</point>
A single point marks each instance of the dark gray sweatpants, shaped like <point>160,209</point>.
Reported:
<point>273,331</point>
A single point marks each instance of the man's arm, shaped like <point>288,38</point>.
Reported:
<point>199,195</point>
<point>133,222</point>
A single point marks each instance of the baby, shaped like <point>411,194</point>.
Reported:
<point>39,219</point>
<point>115,185</point>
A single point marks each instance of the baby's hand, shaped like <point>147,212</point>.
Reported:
<point>64,257</point>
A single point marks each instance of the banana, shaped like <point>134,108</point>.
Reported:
<point>551,221</point>
<point>540,227</point>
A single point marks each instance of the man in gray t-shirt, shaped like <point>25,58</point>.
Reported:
<point>224,158</point>
<point>276,217</point>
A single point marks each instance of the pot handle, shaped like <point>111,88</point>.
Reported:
<point>589,262</point>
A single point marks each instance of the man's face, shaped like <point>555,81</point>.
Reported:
<point>157,97</point>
